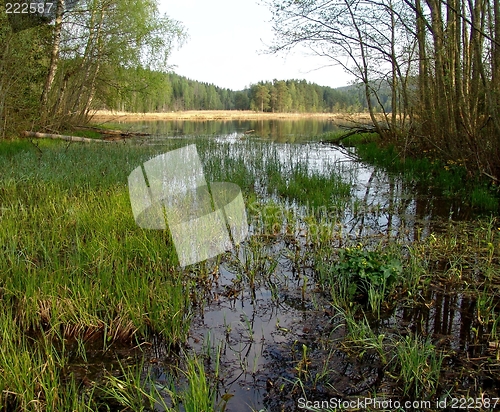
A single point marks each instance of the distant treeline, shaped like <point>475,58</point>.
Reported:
<point>115,54</point>
<point>143,90</point>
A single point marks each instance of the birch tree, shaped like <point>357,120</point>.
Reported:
<point>98,38</point>
<point>441,59</point>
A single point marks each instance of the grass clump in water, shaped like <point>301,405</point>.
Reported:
<point>312,189</point>
<point>419,366</point>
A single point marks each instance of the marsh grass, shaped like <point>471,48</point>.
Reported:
<point>462,257</point>
<point>414,361</point>
<point>75,267</point>
<point>255,262</point>
<point>277,170</point>
<point>79,260</point>
<point>361,336</point>
<point>136,389</point>
<point>33,373</point>
<point>430,171</point>
<point>351,140</point>
<point>311,188</point>
<point>419,366</point>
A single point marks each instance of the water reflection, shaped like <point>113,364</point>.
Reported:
<point>445,314</point>
<point>274,130</point>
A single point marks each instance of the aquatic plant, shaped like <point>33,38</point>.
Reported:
<point>360,275</point>
<point>77,273</point>
<point>419,366</point>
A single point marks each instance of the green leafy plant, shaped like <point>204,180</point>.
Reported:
<point>367,269</point>
<point>361,276</point>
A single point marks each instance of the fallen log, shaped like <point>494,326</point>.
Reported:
<point>62,137</point>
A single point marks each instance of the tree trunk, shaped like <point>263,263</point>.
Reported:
<point>423,74</point>
<point>54,57</point>
<point>63,137</point>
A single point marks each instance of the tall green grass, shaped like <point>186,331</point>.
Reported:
<point>428,169</point>
<point>75,266</point>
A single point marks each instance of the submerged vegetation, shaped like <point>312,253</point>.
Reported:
<point>97,315</point>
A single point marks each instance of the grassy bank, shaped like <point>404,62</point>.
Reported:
<point>75,269</point>
<point>428,171</point>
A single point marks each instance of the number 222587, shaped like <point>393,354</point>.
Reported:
<point>28,8</point>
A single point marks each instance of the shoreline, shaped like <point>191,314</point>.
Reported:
<point>223,115</point>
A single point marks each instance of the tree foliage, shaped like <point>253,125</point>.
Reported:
<point>439,58</point>
<point>23,64</point>
<point>53,73</point>
<point>300,96</point>
<point>103,38</point>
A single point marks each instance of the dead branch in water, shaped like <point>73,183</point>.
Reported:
<point>351,130</point>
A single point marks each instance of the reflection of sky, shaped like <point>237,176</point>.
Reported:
<point>317,158</point>
<point>381,203</point>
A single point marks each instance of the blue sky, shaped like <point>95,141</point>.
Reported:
<point>226,40</point>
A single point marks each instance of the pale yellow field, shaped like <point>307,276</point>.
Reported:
<point>103,115</point>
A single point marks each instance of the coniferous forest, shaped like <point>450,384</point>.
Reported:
<point>143,90</point>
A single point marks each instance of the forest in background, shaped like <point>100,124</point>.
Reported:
<point>143,90</point>
<point>109,54</point>
<point>56,68</point>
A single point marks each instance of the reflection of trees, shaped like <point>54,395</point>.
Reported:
<point>275,130</point>
<point>445,314</point>
<point>392,207</point>
<point>243,327</point>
